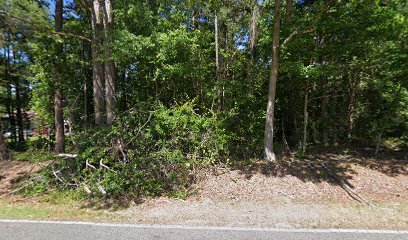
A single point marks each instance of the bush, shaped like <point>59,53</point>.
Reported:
<point>148,152</point>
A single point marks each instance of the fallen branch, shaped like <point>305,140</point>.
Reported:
<point>87,190</point>
<point>66,155</point>
<point>56,176</point>
<point>55,173</point>
<point>101,190</point>
<point>87,164</point>
<point>122,151</point>
<point>103,165</point>
<point>15,190</point>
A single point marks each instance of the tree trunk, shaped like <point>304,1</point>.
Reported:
<point>58,95</point>
<point>305,119</point>
<point>325,100</point>
<point>109,66</point>
<point>289,10</point>
<point>351,108</point>
<point>254,29</point>
<point>217,64</point>
<point>85,98</point>
<point>10,105</point>
<point>87,75</point>
<point>269,127</point>
<point>4,153</point>
<point>19,114</point>
<point>97,63</point>
<point>333,112</point>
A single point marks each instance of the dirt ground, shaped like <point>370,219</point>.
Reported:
<point>321,191</point>
<point>298,195</point>
<point>11,172</point>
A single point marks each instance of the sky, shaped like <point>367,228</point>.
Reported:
<point>51,4</point>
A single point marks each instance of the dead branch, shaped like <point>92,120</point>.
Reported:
<point>103,165</point>
<point>87,164</point>
<point>87,190</point>
<point>66,155</point>
<point>122,151</point>
<point>56,176</point>
<point>70,131</point>
<point>140,129</point>
<point>71,35</point>
<point>55,173</point>
<point>101,190</point>
<point>15,190</point>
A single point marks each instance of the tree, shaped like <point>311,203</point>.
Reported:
<point>96,9</point>
<point>217,63</point>
<point>253,34</point>
<point>4,152</point>
<point>58,96</point>
<point>109,66</point>
<point>103,65</point>
<point>269,127</point>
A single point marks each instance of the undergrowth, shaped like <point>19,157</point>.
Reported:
<point>145,153</point>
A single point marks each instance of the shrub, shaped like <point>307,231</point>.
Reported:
<point>148,152</point>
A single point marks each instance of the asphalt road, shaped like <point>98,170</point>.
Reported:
<point>43,230</point>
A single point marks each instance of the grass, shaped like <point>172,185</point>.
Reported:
<point>8,210</point>
<point>61,210</point>
<point>33,156</point>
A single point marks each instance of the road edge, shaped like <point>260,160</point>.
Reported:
<point>215,228</point>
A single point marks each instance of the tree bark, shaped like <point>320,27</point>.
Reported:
<point>254,29</point>
<point>85,97</point>
<point>109,66</point>
<point>325,100</point>
<point>4,153</point>
<point>351,108</point>
<point>58,95</point>
<point>97,61</point>
<point>10,105</point>
<point>217,64</point>
<point>289,10</point>
<point>305,119</point>
<point>19,115</point>
<point>269,127</point>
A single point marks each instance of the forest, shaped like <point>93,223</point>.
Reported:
<point>132,97</point>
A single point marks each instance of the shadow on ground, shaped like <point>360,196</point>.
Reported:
<point>332,165</point>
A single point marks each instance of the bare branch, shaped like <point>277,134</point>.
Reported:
<point>140,129</point>
<point>89,165</point>
<point>103,165</point>
<point>101,190</point>
<point>44,29</point>
<point>66,155</point>
<point>71,35</point>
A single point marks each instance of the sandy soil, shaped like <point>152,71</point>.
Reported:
<point>264,214</point>
<point>262,196</point>
<point>11,172</point>
<point>292,194</point>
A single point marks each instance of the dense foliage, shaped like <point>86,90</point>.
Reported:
<point>343,79</point>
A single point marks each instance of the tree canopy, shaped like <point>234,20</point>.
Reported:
<point>150,82</point>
